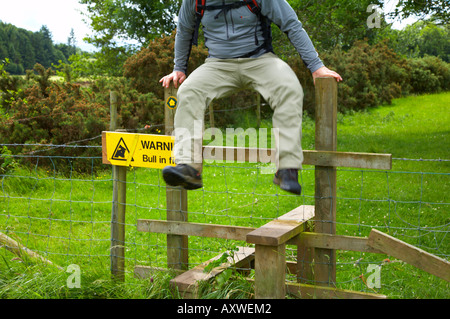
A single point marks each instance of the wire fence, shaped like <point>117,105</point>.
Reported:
<point>63,213</point>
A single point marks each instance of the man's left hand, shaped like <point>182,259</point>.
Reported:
<point>324,72</point>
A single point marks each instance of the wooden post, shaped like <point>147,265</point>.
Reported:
<point>305,256</point>
<point>176,199</point>
<point>325,178</point>
<point>119,175</point>
<point>270,271</point>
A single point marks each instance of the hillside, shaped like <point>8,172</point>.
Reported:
<point>25,48</point>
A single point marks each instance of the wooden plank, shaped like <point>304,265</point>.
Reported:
<point>310,157</point>
<point>305,291</point>
<point>187,282</point>
<point>270,271</point>
<point>23,252</point>
<point>410,254</point>
<point>280,230</point>
<point>336,242</point>
<point>143,272</point>
<point>325,177</point>
<point>104,150</point>
<point>348,159</point>
<point>193,229</point>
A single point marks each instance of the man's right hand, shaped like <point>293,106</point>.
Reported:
<point>177,77</point>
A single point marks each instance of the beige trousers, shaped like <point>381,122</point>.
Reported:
<point>268,75</point>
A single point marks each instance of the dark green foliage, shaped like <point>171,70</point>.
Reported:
<point>40,111</point>
<point>429,75</point>
<point>374,75</point>
<point>25,48</point>
<point>439,9</point>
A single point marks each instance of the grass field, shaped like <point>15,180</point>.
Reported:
<point>65,216</point>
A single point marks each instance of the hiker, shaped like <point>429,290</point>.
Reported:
<point>238,37</point>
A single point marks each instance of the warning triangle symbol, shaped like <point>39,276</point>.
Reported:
<point>121,152</point>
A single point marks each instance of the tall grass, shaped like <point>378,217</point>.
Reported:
<point>65,216</point>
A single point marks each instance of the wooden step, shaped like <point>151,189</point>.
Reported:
<point>280,230</point>
<point>187,282</point>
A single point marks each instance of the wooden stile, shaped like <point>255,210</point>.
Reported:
<point>270,240</point>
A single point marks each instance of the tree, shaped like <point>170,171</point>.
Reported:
<point>117,23</point>
<point>438,9</point>
<point>423,38</point>
<point>136,20</point>
<point>72,43</point>
<point>336,22</point>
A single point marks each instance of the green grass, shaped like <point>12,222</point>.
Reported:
<point>65,216</point>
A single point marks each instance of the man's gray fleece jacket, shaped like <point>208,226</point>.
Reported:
<point>232,34</point>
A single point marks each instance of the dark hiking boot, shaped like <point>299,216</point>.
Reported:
<point>287,179</point>
<point>182,175</point>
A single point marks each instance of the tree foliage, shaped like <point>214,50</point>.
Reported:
<point>330,23</point>
<point>439,10</point>
<point>36,110</point>
<point>424,38</point>
<point>138,20</point>
<point>25,48</point>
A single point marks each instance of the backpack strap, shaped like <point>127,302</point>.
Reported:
<point>200,6</point>
<point>253,6</point>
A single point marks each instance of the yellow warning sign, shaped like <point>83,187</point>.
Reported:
<point>138,150</point>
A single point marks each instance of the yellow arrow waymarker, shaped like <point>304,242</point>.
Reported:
<point>172,102</point>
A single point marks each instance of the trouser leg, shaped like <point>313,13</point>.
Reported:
<point>213,79</point>
<point>280,87</point>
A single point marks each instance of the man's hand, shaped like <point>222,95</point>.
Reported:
<point>176,76</point>
<point>327,73</point>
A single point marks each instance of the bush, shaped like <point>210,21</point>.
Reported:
<point>373,75</point>
<point>429,75</point>
<point>47,112</point>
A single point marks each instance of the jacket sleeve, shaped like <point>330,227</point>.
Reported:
<point>183,39</point>
<point>282,14</point>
